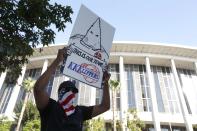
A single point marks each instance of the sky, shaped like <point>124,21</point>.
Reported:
<point>163,21</point>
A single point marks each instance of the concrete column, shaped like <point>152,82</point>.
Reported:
<point>181,97</point>
<point>45,65</point>
<point>2,78</point>
<point>14,95</point>
<point>155,117</point>
<point>195,66</point>
<point>123,95</point>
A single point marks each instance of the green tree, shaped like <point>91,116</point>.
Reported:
<point>114,85</point>
<point>30,115</point>
<point>133,122</point>
<point>5,125</point>
<point>27,85</point>
<point>25,24</point>
<point>94,125</point>
<point>32,125</point>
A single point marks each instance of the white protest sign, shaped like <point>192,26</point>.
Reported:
<point>89,47</point>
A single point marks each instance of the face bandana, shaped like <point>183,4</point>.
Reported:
<point>66,100</point>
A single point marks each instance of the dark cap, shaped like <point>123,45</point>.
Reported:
<point>68,86</point>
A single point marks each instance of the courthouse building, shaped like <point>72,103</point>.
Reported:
<point>158,80</point>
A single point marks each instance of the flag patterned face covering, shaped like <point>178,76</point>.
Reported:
<point>66,100</point>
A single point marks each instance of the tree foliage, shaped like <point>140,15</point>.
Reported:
<point>28,84</point>
<point>31,112</point>
<point>94,125</point>
<point>133,122</point>
<point>114,86</point>
<point>33,125</point>
<point>118,125</point>
<point>5,125</point>
<point>24,24</point>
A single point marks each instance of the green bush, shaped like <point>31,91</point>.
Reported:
<point>133,122</point>
<point>94,125</point>
<point>31,117</point>
<point>5,125</point>
<point>32,125</point>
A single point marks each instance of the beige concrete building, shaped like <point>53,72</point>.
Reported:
<point>158,80</point>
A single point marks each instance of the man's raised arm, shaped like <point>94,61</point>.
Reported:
<point>105,103</point>
<point>40,94</point>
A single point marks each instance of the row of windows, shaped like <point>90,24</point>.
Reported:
<point>166,93</point>
<point>138,93</point>
<point>188,82</point>
<point>149,127</point>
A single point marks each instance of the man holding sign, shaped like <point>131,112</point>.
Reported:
<point>86,60</point>
<point>63,115</point>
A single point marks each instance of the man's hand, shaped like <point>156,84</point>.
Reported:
<point>106,77</point>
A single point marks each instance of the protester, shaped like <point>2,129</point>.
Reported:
<point>62,115</point>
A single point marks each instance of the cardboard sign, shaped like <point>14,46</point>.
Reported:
<point>89,47</point>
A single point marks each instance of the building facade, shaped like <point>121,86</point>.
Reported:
<point>158,80</point>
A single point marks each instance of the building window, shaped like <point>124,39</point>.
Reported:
<point>188,80</point>
<point>56,79</point>
<point>118,100</point>
<point>148,127</point>
<point>114,71</point>
<point>98,96</point>
<point>156,74</point>
<point>169,92</point>
<point>165,90</point>
<point>172,128</point>
<point>138,87</point>
<point>51,81</point>
<point>5,93</point>
<point>130,86</point>
<point>84,95</point>
<point>145,95</point>
<point>33,73</point>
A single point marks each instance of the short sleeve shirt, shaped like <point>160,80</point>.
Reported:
<point>53,117</point>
